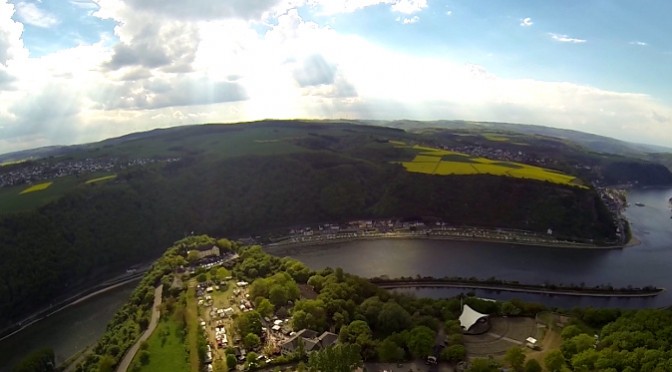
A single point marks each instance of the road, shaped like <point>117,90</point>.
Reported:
<point>510,288</point>
<point>154,321</point>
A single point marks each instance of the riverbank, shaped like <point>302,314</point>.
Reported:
<point>525,240</point>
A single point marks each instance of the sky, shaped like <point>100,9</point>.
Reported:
<point>75,71</point>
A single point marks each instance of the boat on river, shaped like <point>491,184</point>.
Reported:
<point>639,204</point>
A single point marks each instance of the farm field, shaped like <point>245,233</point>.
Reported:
<point>38,187</point>
<point>13,200</point>
<point>101,179</point>
<point>441,162</point>
<point>21,198</point>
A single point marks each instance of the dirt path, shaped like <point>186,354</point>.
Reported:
<point>551,341</point>
<point>156,313</point>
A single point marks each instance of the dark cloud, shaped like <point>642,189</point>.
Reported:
<point>51,114</point>
<point>205,9</point>
<point>315,70</point>
<point>136,74</point>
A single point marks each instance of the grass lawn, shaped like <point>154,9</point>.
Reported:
<point>166,348</point>
<point>191,314</point>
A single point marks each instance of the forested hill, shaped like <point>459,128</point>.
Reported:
<point>239,180</point>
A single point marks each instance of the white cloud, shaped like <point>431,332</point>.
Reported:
<point>449,12</point>
<point>346,6</point>
<point>205,9</point>
<point>162,71</point>
<point>349,6</point>
<point>84,4</point>
<point>409,6</point>
<point>638,43</point>
<point>526,22</point>
<point>566,39</point>
<point>12,51</point>
<point>31,14</point>
<point>408,20</point>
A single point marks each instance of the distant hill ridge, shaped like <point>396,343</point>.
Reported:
<point>593,142</point>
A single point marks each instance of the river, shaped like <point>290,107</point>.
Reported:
<point>648,263</point>
<point>68,331</point>
<point>76,327</point>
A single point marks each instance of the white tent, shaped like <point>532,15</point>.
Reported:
<point>469,317</point>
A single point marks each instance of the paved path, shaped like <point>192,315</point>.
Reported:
<point>500,337</point>
<point>156,313</point>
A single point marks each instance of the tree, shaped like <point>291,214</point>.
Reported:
<point>554,361</point>
<point>420,341</point>
<point>143,355</point>
<point>309,314</point>
<point>509,308</point>
<point>317,282</point>
<point>251,341</point>
<point>105,364</point>
<point>483,365</point>
<point>371,308</point>
<point>201,278</point>
<point>454,353</point>
<point>389,351</point>
<point>251,357</point>
<point>570,331</point>
<point>358,332</point>
<point>264,307</point>
<point>231,361</point>
<point>393,318</point>
<point>224,244</point>
<point>577,344</point>
<point>337,358</point>
<point>192,256</point>
<point>249,322</point>
<point>515,358</point>
<point>532,366</point>
<point>42,360</point>
<point>278,295</point>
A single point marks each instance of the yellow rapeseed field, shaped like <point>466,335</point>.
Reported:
<point>431,161</point>
<point>38,187</point>
<point>99,179</point>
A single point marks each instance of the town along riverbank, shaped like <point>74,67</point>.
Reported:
<point>465,234</point>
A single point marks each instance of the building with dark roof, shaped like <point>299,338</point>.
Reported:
<point>311,341</point>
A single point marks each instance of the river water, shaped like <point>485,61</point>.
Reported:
<point>68,331</point>
<point>649,263</point>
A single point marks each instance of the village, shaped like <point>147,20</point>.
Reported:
<point>33,172</point>
<point>387,228</point>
